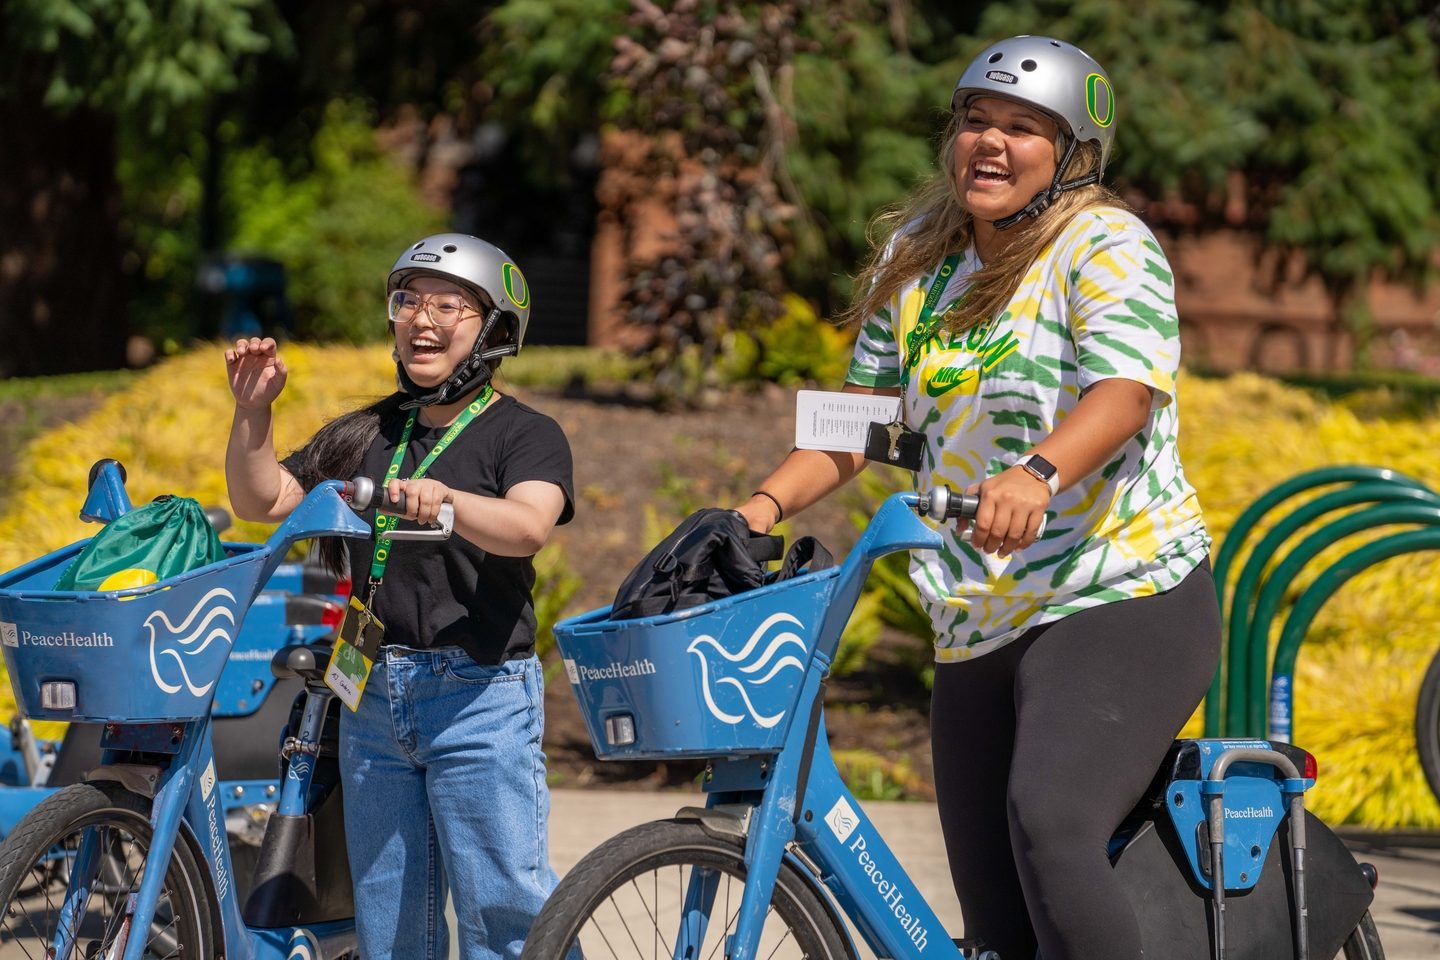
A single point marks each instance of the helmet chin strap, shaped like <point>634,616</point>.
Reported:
<point>469,374</point>
<point>1041,201</point>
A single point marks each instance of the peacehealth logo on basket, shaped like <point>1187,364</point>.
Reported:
<point>611,671</point>
<point>176,649</point>
<point>756,668</point>
<point>16,636</point>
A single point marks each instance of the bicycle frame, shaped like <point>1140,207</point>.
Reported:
<point>836,842</point>
<point>804,800</point>
<point>778,762</point>
<point>188,809</point>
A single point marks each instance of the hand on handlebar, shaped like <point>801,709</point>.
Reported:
<point>1011,514</point>
<point>432,508</point>
<point>417,500</point>
<point>256,372</point>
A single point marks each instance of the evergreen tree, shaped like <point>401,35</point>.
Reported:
<point>72,75</point>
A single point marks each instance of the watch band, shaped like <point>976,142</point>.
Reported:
<point>1042,470</point>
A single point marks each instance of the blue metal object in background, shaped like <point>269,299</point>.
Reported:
<point>247,296</point>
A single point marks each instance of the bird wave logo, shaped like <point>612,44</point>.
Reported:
<point>299,769</point>
<point>303,946</point>
<point>757,667</point>
<point>175,647</point>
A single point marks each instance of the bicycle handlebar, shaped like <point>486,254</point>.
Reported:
<point>943,504</point>
<point>362,493</point>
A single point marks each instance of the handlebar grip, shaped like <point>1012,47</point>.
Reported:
<point>943,504</point>
<point>362,493</point>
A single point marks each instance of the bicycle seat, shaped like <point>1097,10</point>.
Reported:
<point>304,660</point>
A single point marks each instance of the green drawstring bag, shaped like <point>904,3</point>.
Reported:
<point>164,538</point>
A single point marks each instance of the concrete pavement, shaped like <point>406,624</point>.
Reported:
<point>1407,906</point>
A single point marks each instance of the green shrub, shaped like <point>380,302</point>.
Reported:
<point>797,347</point>
<point>337,225</point>
<point>560,366</point>
<point>872,777</point>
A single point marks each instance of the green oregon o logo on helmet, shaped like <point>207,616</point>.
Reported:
<point>1099,100</point>
<point>515,286</point>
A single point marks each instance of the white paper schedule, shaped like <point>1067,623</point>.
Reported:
<point>832,420</point>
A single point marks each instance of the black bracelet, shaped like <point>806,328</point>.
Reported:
<point>779,510</point>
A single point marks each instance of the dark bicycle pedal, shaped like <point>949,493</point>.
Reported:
<point>973,948</point>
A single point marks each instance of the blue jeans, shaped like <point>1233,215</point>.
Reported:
<point>445,788</point>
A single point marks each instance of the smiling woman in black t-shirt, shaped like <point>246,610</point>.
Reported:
<point>441,763</point>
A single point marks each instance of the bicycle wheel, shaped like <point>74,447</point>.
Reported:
<point>35,867</point>
<point>1364,941</point>
<point>626,899</point>
<point>1427,725</point>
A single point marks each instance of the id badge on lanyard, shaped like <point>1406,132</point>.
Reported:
<point>895,442</point>
<point>356,645</point>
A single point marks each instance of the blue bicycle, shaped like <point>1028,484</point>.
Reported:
<point>781,850</point>
<point>134,863</point>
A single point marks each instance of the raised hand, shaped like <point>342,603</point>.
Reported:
<point>256,372</point>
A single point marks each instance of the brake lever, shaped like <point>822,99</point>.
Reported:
<point>362,493</point>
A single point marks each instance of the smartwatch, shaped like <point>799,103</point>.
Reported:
<point>1042,470</point>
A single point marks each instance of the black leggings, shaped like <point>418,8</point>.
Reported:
<point>1043,746</point>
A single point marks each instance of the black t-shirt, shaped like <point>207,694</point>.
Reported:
<point>452,593</point>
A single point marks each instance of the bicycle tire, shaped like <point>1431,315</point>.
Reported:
<point>603,901</point>
<point>1364,941</point>
<point>33,876</point>
<point>1427,725</point>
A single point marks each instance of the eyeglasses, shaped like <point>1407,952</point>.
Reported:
<point>445,309</point>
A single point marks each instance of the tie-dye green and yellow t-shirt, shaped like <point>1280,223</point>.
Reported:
<point>1097,303</point>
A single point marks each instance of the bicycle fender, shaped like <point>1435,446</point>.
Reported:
<point>811,875</point>
<point>723,822</point>
<point>139,778</point>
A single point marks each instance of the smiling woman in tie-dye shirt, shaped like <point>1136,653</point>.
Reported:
<point>1027,320</point>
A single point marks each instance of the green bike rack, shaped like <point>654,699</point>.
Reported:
<point>1272,595</point>
<point>1314,597</point>
<point>1245,660</point>
<point>1235,539</point>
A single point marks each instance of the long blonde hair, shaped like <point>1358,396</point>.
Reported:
<point>912,237</point>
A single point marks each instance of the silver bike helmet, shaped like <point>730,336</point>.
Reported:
<point>1054,76</point>
<point>485,272</point>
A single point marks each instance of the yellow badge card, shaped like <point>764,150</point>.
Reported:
<point>354,653</point>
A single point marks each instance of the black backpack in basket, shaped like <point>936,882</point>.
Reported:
<point>713,553</point>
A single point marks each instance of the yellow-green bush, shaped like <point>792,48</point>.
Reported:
<point>1359,671</point>
<point>169,430</point>
<point>795,348</point>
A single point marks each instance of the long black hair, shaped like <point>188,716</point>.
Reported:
<point>337,452</point>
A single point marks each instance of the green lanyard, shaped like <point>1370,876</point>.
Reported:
<point>924,328</point>
<point>385,522</point>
